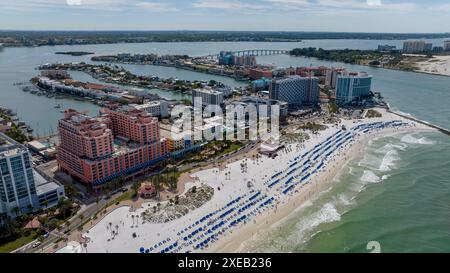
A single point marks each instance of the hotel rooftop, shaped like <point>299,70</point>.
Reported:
<point>9,147</point>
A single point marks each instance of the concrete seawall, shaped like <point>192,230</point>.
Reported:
<point>440,129</point>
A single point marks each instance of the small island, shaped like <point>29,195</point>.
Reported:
<point>75,53</point>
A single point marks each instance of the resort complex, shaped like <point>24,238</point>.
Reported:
<point>251,190</point>
<point>120,142</point>
<point>118,139</point>
<point>180,177</point>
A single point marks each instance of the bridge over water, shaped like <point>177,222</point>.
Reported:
<point>251,52</point>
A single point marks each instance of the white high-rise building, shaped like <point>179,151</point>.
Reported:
<point>155,108</point>
<point>17,185</point>
<point>23,189</point>
<point>332,75</point>
<point>296,91</point>
<point>417,47</point>
<point>208,96</point>
<point>447,46</point>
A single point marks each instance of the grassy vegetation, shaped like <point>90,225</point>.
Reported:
<point>13,234</point>
<point>19,242</point>
<point>129,195</point>
<point>15,132</point>
<point>313,127</point>
<point>333,108</point>
<point>351,56</point>
<point>373,114</point>
<point>232,148</point>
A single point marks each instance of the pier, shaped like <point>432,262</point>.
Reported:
<point>440,129</point>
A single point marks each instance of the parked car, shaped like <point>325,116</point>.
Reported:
<point>36,244</point>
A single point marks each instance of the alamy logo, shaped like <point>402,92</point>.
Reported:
<point>374,247</point>
<point>236,122</point>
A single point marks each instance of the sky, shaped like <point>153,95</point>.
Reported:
<point>396,16</point>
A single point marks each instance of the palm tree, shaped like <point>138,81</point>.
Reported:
<point>157,183</point>
<point>45,204</point>
<point>135,187</point>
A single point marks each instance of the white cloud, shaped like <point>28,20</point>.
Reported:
<point>374,2</point>
<point>73,2</point>
<point>366,5</point>
<point>156,6</point>
<point>111,5</point>
<point>227,5</point>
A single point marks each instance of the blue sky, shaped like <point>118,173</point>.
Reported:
<point>286,15</point>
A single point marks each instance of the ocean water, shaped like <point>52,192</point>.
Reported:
<point>396,193</point>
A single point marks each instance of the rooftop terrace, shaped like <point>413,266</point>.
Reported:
<point>9,147</point>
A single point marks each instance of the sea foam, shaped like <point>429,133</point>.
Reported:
<point>370,177</point>
<point>411,139</point>
<point>388,161</point>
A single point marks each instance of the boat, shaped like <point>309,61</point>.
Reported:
<point>58,106</point>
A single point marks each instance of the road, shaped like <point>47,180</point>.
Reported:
<point>89,210</point>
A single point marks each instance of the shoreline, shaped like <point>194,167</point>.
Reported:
<point>418,71</point>
<point>264,223</point>
<point>236,238</point>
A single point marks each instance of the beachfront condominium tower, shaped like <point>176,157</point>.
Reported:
<point>208,96</point>
<point>447,46</point>
<point>417,47</point>
<point>331,76</point>
<point>353,88</point>
<point>17,186</point>
<point>120,142</point>
<point>296,91</point>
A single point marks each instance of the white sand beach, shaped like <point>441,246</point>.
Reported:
<point>438,65</point>
<point>236,211</point>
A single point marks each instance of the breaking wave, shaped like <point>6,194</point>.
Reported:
<point>327,214</point>
<point>388,161</point>
<point>411,139</point>
<point>370,177</point>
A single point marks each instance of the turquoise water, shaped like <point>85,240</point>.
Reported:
<point>402,203</point>
<point>396,193</point>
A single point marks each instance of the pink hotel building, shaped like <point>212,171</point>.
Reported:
<point>119,142</point>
